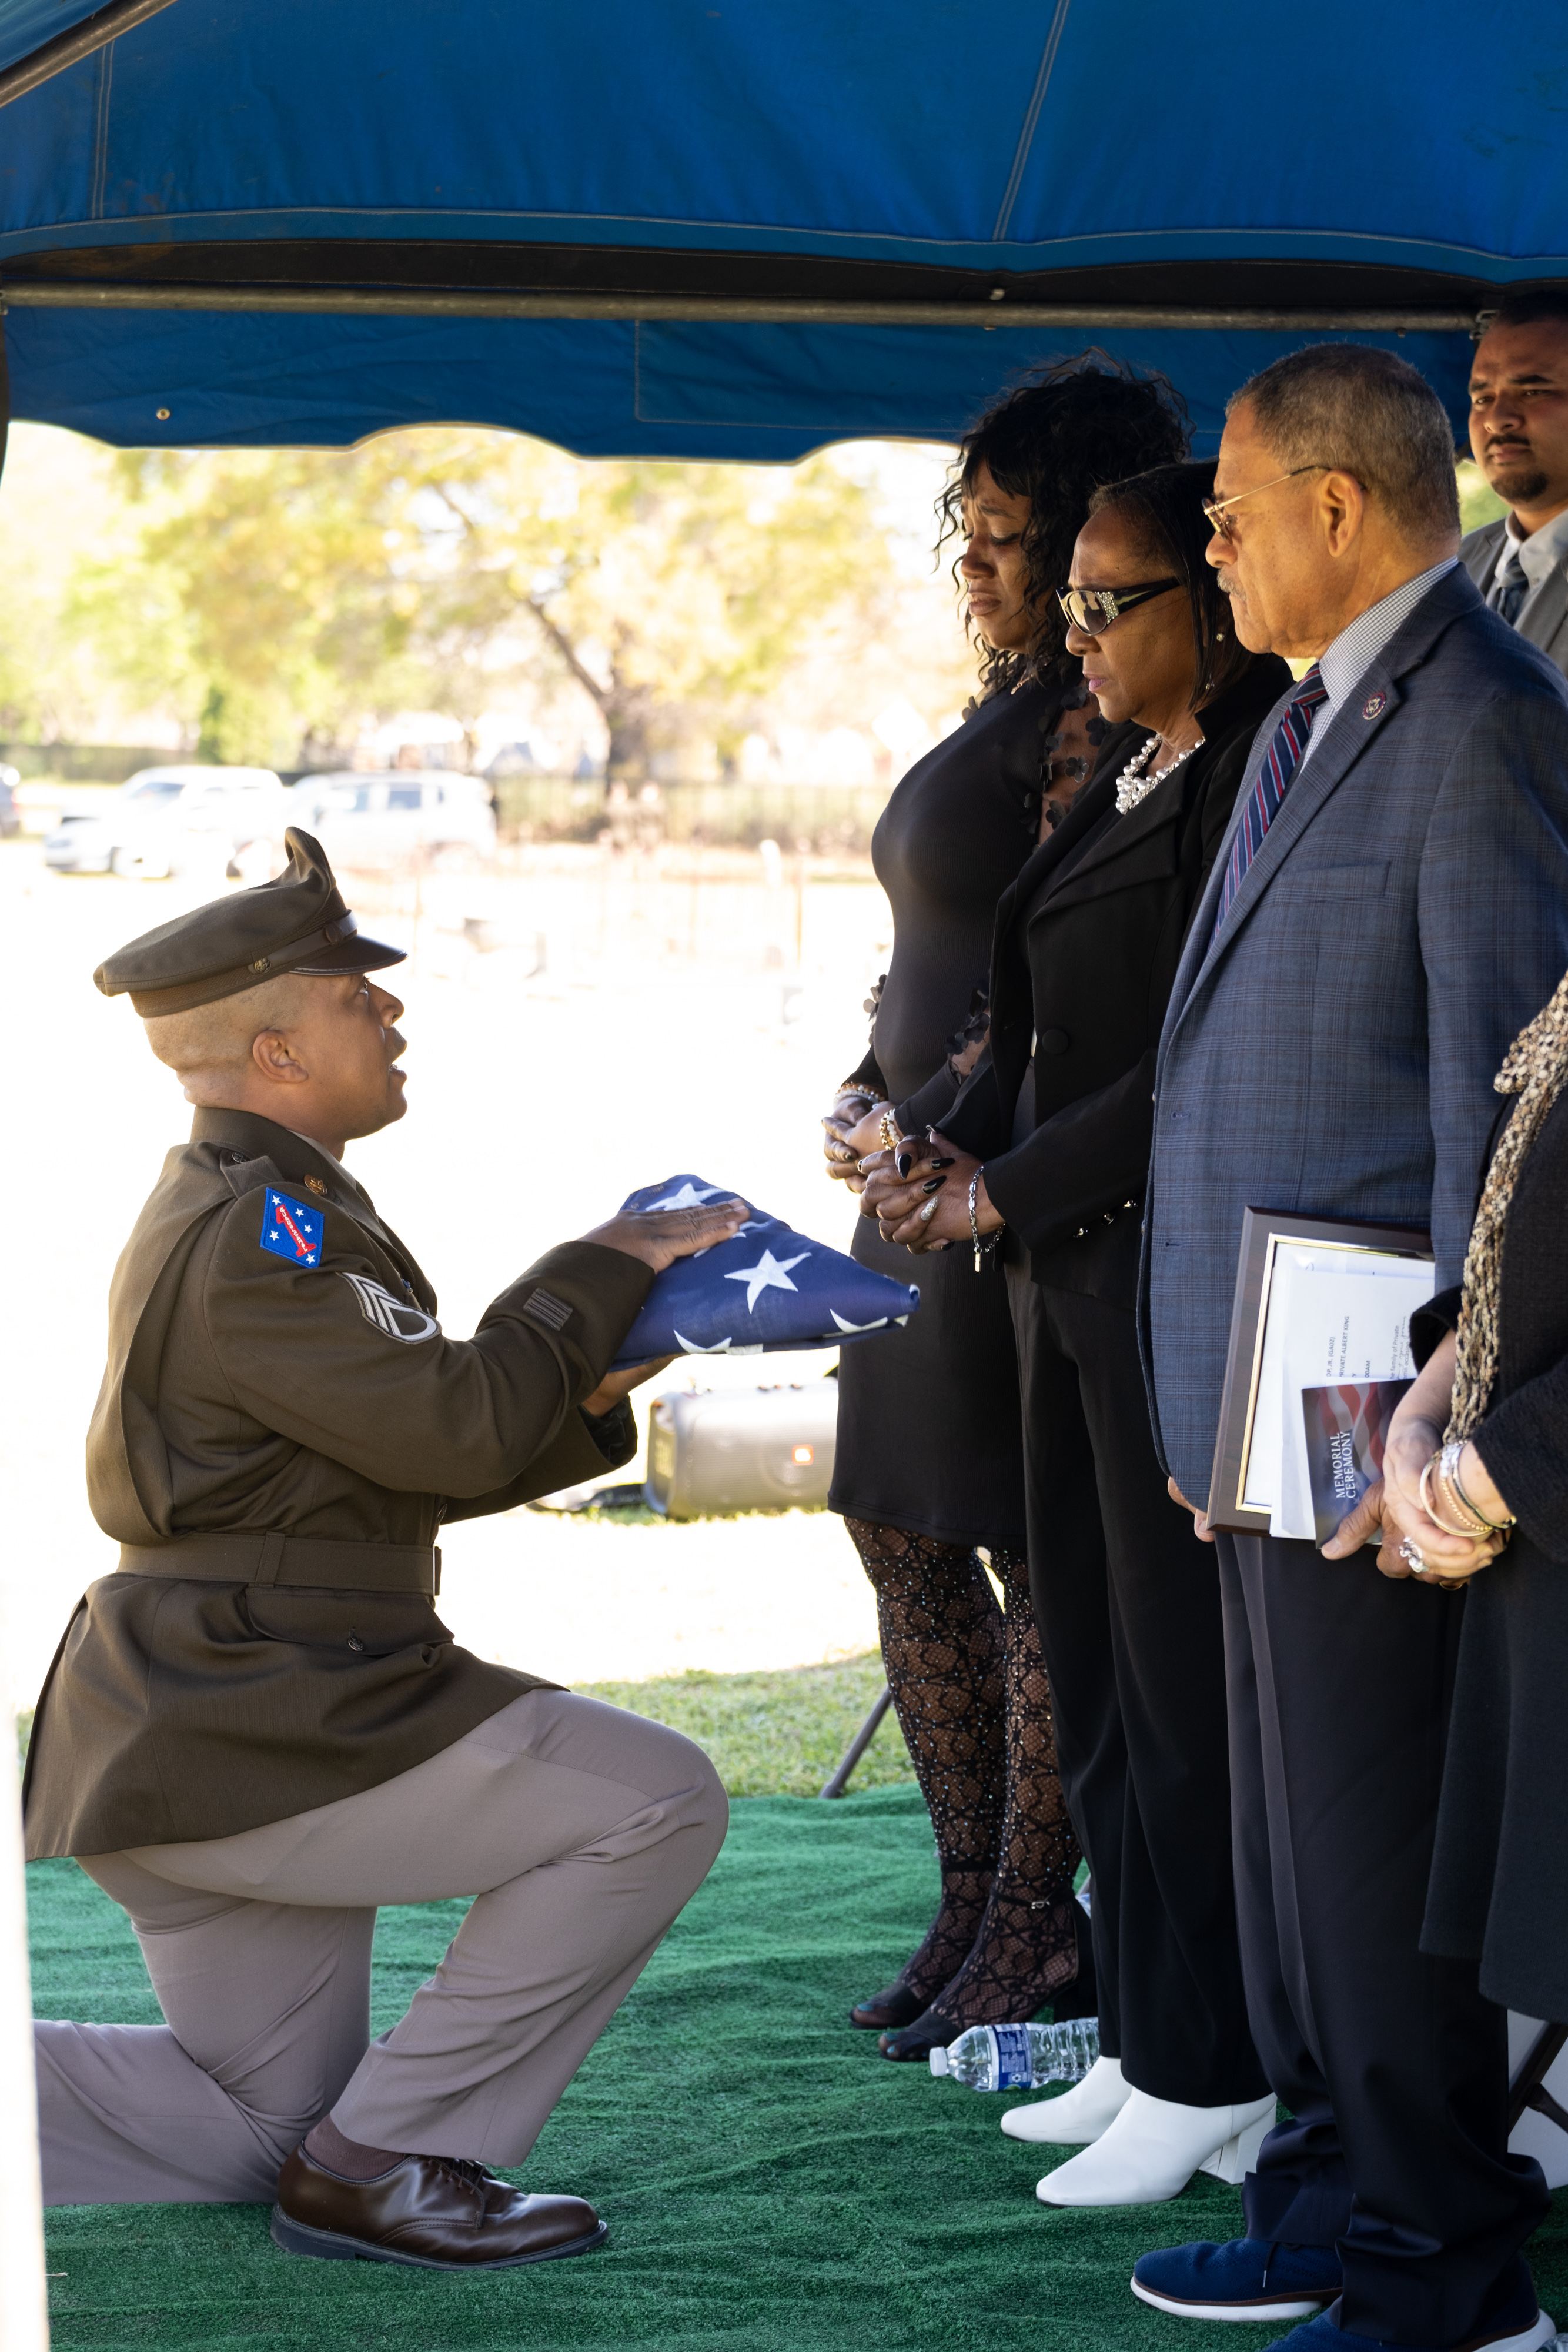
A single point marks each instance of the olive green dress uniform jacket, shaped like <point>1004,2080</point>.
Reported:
<point>275,1445</point>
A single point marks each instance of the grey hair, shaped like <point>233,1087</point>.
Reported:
<point>1366,413</point>
<point>208,1048</point>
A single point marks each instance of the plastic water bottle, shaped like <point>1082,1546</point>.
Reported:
<point>1020,2057</point>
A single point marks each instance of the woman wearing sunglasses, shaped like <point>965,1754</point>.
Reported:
<point>1046,1153</point>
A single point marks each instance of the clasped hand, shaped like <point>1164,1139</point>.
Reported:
<point>919,1194</point>
<point>1393,1507</point>
<point>851,1130</point>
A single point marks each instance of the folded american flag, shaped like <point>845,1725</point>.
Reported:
<point>766,1289</point>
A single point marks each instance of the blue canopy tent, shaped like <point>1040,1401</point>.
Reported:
<point>746,229</point>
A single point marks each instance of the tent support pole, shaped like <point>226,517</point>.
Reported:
<point>95,32</point>
<point>440,302</point>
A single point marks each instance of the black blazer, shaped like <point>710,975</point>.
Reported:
<point>1084,965</point>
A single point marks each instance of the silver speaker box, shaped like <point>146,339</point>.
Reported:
<point>741,1449</point>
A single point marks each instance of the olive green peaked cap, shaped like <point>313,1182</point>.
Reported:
<point>298,922</point>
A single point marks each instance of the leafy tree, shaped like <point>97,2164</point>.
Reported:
<point>273,594</point>
<point>56,496</point>
<point>258,598</point>
<point>677,596</point>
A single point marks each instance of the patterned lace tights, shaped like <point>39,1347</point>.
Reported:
<point>969,1687</point>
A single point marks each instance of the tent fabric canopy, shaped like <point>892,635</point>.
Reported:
<point>26,24</point>
<point>662,157</point>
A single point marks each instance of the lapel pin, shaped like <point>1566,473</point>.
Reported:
<point>315,1185</point>
<point>1373,705</point>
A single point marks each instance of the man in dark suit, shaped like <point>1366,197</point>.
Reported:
<point>1519,434</point>
<point>1391,906</point>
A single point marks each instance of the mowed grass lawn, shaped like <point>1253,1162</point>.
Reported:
<point>775,1734</point>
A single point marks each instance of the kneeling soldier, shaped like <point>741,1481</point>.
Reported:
<point>259,1728</point>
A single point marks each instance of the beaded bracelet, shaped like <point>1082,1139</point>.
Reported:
<point>983,1242</point>
<point>1451,1473</point>
<point>1475,1527</point>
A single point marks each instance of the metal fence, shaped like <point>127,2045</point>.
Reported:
<point>84,763</point>
<point>819,817</point>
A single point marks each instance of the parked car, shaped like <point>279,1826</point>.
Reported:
<point>10,815</point>
<point>166,820</point>
<point>384,821</point>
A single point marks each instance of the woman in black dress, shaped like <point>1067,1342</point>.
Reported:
<point>1050,1143</point>
<point>1486,1425</point>
<point>929,1471</point>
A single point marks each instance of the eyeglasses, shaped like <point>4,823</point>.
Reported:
<point>1214,509</point>
<point>1094,609</point>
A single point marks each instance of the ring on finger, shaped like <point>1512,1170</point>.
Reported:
<point>1412,1556</point>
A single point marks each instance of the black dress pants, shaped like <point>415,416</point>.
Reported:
<point>1128,1605</point>
<point>1395,2069</point>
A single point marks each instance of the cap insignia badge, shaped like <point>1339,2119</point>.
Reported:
<point>290,1229</point>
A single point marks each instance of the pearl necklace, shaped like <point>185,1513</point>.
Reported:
<point>1132,785</point>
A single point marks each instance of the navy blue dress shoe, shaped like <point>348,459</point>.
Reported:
<point>1514,2332</point>
<point>1250,2278</point>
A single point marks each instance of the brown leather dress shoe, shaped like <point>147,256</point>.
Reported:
<point>438,2212</point>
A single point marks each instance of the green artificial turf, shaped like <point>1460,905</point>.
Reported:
<point>772,2184</point>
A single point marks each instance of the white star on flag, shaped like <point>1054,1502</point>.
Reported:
<point>688,1197</point>
<point>719,1348</point>
<point>769,1274</point>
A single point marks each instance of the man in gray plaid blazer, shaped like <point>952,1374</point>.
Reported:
<point>1392,906</point>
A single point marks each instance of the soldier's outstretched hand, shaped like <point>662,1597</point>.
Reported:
<point>659,1236</point>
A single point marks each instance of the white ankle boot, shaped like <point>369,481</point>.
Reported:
<point>1153,2148</point>
<point>1078,2116</point>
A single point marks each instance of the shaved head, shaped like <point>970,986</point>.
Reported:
<point>208,1048</point>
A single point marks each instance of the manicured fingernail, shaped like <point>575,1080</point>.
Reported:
<point>934,1185</point>
<point>904,1162</point>
<point>939,1162</point>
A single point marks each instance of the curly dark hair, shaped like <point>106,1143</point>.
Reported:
<point>1166,509</point>
<point>1054,438</point>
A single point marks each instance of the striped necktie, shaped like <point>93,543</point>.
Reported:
<point>1509,585</point>
<point>1272,783</point>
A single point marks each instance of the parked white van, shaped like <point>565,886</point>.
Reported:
<point>171,820</point>
<point>384,821</point>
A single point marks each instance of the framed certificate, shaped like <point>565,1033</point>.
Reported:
<point>1318,1299</point>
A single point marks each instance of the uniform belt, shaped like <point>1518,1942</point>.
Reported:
<point>289,1560</point>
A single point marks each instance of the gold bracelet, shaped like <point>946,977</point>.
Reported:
<point>888,1130</point>
<point>1451,1473</point>
<point>1468,1533</point>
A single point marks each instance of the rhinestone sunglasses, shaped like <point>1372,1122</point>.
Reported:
<point>1094,609</point>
